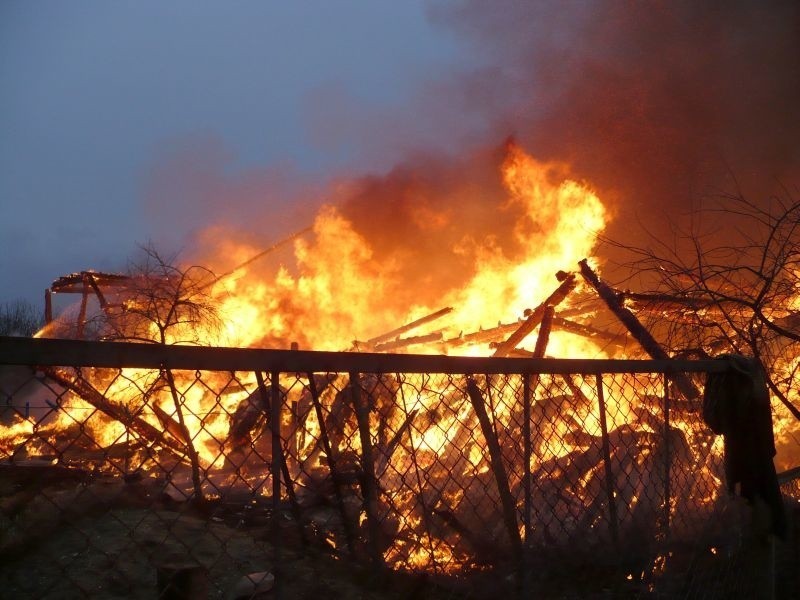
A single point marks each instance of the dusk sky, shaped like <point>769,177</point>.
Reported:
<point>99,99</point>
<point>123,123</point>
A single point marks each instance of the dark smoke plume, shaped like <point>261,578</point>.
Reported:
<point>658,104</point>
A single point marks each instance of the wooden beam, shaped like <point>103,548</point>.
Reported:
<point>637,330</point>
<point>84,353</point>
<point>529,324</point>
<point>498,467</point>
<point>394,333</point>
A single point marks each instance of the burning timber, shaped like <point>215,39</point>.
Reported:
<point>412,463</point>
<point>445,487</point>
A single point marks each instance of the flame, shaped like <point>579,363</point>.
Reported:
<point>338,291</point>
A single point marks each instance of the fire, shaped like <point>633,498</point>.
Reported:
<point>559,225</point>
<point>337,292</point>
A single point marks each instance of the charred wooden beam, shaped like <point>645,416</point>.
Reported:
<point>483,335</point>
<point>658,301</point>
<point>74,283</point>
<point>249,412</point>
<point>194,458</point>
<point>589,332</point>
<point>544,332</point>
<point>397,344</point>
<point>496,462</point>
<point>92,281</point>
<point>645,300</point>
<point>332,466</point>
<point>142,428</point>
<point>582,308</point>
<point>637,330</point>
<point>386,456</point>
<point>303,406</point>
<point>48,306</point>
<point>529,324</point>
<point>171,425</point>
<point>576,390</point>
<point>394,333</point>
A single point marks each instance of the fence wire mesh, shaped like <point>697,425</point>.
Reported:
<point>140,482</point>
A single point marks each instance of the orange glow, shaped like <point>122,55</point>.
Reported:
<point>336,293</point>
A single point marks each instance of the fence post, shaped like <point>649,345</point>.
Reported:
<point>275,468</point>
<point>526,481</point>
<point>667,459</point>
<point>612,505</point>
<point>329,451</point>
<point>529,385</point>
<point>528,452</point>
<point>368,466</point>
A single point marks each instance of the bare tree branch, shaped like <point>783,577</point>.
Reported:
<point>731,289</point>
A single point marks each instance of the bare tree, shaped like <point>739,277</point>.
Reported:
<point>735,288</point>
<point>163,303</point>
<point>20,318</point>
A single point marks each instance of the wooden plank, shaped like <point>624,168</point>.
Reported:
<point>395,333</point>
<point>637,330</point>
<point>529,324</point>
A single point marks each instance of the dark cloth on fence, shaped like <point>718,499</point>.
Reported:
<point>736,405</point>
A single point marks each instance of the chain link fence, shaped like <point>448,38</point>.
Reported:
<point>146,471</point>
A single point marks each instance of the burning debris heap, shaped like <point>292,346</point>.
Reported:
<point>430,472</point>
<point>444,465</point>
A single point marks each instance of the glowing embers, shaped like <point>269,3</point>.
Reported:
<point>395,467</point>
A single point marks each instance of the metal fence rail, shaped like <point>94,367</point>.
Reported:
<point>129,468</point>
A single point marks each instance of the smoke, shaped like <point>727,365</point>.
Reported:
<point>427,217</point>
<point>657,104</point>
<point>195,192</point>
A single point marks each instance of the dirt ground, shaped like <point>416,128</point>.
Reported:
<point>65,534</point>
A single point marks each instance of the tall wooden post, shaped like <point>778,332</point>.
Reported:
<point>368,484</point>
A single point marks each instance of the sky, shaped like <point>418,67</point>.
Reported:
<point>106,105</point>
<point>124,123</point>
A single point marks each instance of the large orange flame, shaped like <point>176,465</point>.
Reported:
<point>337,292</point>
